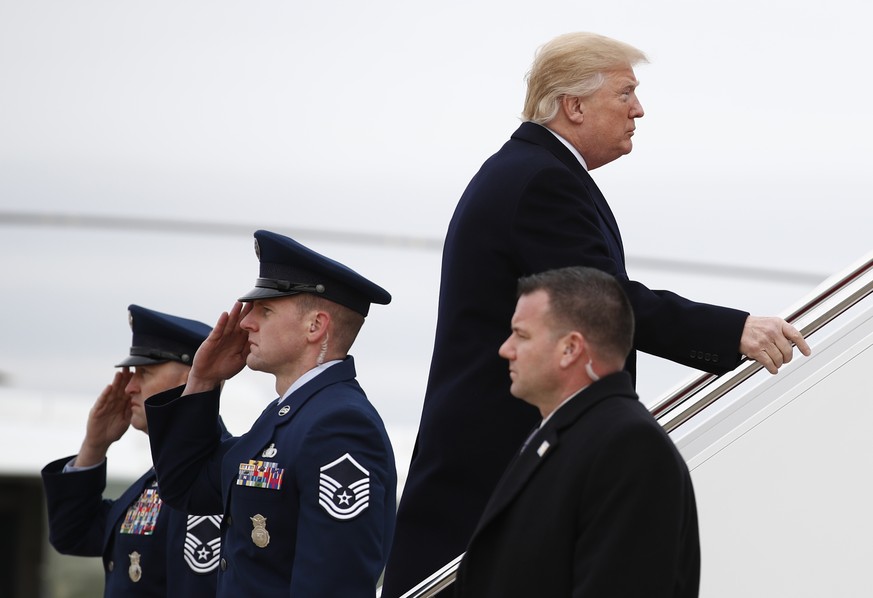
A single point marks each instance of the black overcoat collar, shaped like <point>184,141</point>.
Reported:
<point>540,135</point>
<point>547,440</point>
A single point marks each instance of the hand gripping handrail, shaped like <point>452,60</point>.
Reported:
<point>848,290</point>
<point>683,404</point>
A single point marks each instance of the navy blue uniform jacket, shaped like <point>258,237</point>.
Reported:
<point>178,559</point>
<point>308,494</point>
<point>531,207</point>
<point>600,503</point>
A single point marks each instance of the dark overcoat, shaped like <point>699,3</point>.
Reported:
<point>531,207</point>
<point>600,503</point>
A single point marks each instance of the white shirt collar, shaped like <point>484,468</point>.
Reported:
<point>307,377</point>
<point>571,148</point>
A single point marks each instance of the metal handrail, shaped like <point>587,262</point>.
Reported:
<point>684,404</point>
<point>680,406</point>
<point>438,581</point>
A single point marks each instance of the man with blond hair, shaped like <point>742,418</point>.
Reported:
<point>533,206</point>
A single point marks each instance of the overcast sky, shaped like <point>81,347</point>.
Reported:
<point>370,118</point>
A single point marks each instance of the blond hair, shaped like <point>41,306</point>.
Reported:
<point>572,64</point>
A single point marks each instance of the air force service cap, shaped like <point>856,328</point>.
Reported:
<point>159,337</point>
<point>289,268</point>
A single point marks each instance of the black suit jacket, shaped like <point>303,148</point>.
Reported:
<point>600,504</point>
<point>530,208</point>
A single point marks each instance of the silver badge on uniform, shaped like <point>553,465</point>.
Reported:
<point>284,410</point>
<point>134,571</point>
<point>260,535</point>
<point>270,451</point>
<point>344,488</point>
<point>202,543</point>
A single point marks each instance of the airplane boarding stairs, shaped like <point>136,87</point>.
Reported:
<point>782,465</point>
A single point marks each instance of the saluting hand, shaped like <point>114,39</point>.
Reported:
<point>770,341</point>
<point>223,354</point>
<point>108,420</point>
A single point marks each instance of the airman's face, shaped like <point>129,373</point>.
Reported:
<point>277,335</point>
<point>149,380</point>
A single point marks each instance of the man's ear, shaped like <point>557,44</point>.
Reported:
<point>573,108</point>
<point>573,346</point>
<point>318,324</point>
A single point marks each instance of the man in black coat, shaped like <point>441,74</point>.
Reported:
<point>598,502</point>
<point>533,206</point>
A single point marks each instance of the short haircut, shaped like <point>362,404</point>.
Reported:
<point>347,322</point>
<point>572,64</point>
<point>589,301</point>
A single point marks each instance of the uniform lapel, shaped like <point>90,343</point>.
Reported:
<point>262,431</point>
<point>123,502</point>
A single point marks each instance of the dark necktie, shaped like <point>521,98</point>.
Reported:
<point>530,437</point>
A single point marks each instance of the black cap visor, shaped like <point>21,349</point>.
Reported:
<point>134,360</point>
<point>150,356</point>
<point>266,288</point>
